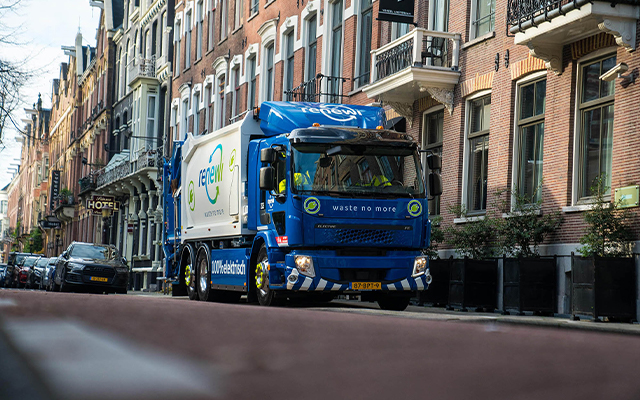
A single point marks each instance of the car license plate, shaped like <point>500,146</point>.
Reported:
<point>98,279</point>
<point>366,286</point>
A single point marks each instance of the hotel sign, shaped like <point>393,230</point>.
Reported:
<point>98,204</point>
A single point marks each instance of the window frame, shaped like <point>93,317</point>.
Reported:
<point>467,149</point>
<point>473,20</point>
<point>435,147</point>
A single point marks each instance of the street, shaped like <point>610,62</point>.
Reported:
<point>323,351</point>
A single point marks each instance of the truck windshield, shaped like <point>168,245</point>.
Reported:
<point>356,170</point>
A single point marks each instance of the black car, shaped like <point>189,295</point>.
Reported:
<point>34,276</point>
<point>91,267</point>
<point>3,270</point>
<point>15,258</point>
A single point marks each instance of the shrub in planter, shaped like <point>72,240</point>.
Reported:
<point>438,292</point>
<point>603,281</point>
<point>473,279</point>
<point>529,281</point>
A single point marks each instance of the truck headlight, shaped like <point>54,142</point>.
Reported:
<point>419,266</point>
<point>305,265</point>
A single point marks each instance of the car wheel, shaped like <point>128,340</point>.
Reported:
<point>64,287</point>
<point>389,303</point>
<point>203,282</point>
<point>263,291</point>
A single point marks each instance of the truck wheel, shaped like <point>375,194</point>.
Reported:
<point>203,281</point>
<point>190,281</point>
<point>389,303</point>
<point>264,293</point>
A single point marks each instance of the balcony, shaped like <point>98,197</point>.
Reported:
<point>64,207</point>
<point>150,158</point>
<point>418,64</point>
<point>87,184</point>
<point>545,26</point>
<point>322,88</point>
<point>118,168</point>
<point>140,68</point>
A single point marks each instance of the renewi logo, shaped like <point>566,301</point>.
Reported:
<point>414,208</point>
<point>212,175</point>
<point>333,112</point>
<point>312,205</point>
<point>192,196</point>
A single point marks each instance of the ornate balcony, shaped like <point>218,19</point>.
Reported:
<point>142,68</point>
<point>545,26</point>
<point>118,168</point>
<point>322,88</point>
<point>64,207</point>
<point>87,184</point>
<point>415,65</point>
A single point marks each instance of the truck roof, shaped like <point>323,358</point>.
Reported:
<point>332,134</point>
<point>278,117</point>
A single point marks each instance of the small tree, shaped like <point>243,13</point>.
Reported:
<point>437,237</point>
<point>524,229</point>
<point>607,234</point>
<point>473,239</point>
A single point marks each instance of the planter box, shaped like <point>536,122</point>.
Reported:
<point>473,283</point>
<point>603,287</point>
<point>438,292</point>
<point>529,284</point>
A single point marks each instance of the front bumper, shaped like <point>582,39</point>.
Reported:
<point>84,278</point>
<point>336,273</point>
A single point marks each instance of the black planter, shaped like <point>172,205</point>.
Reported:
<point>438,292</point>
<point>603,287</point>
<point>529,284</point>
<point>473,284</point>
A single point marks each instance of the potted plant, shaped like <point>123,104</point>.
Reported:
<point>604,278</point>
<point>438,291</point>
<point>66,196</point>
<point>472,279</point>
<point>529,281</point>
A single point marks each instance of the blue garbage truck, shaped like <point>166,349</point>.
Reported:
<point>298,200</point>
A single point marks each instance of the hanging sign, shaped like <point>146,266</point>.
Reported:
<point>55,187</point>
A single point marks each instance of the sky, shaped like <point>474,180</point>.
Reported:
<point>43,27</point>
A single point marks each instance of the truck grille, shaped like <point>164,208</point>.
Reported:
<point>363,274</point>
<point>372,236</point>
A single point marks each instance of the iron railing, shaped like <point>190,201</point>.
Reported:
<point>322,88</point>
<point>87,183</point>
<point>114,174</point>
<point>521,11</point>
<point>419,48</point>
<point>142,67</point>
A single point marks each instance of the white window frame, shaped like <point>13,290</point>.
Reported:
<point>472,26</point>
<point>577,161</point>
<point>249,55</point>
<point>289,25</point>
<point>188,38</point>
<point>267,34</point>
<point>175,117</point>
<point>199,28</point>
<point>516,134</point>
<point>467,149</point>
<point>221,67</point>
<point>207,99</point>
<point>307,14</point>
<point>196,98</point>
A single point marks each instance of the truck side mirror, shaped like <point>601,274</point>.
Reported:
<point>266,178</point>
<point>435,185</point>
<point>434,161</point>
<point>268,155</point>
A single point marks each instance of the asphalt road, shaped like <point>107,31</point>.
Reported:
<point>196,350</point>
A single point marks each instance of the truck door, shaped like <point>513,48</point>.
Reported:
<point>273,202</point>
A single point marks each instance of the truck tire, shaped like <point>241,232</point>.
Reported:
<point>394,303</point>
<point>203,270</point>
<point>263,291</point>
<point>190,275</point>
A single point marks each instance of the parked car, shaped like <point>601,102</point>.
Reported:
<point>21,272</point>
<point>14,259</point>
<point>3,270</point>
<point>93,267</point>
<point>47,277</point>
<point>34,276</point>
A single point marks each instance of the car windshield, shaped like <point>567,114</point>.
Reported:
<point>94,251</point>
<point>53,260</point>
<point>42,262</point>
<point>357,170</point>
<point>18,258</point>
<point>30,261</point>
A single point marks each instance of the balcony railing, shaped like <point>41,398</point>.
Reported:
<point>142,67</point>
<point>147,159</point>
<point>87,183</point>
<point>418,48</point>
<point>114,174</point>
<point>63,201</point>
<point>521,11</point>
<point>322,87</point>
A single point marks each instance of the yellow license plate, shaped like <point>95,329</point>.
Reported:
<point>98,279</point>
<point>366,286</point>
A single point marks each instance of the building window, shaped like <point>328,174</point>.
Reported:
<point>45,168</point>
<point>187,42</point>
<point>200,21</point>
<point>251,76</point>
<point>289,58</point>
<point>478,145</point>
<point>237,20</point>
<point>254,6</point>
<point>483,17</point>
<point>268,77</point>
<point>185,119</point>
<point>596,124</point>
<point>196,113</point>
<point>364,62</point>
<point>439,15</point>
<point>530,139</point>
<point>235,100</point>
<point>312,48</point>
<point>334,85</point>
<point>178,45</point>
<point>224,13</point>
<point>220,120</point>
<point>151,117</point>
<point>211,27</point>
<point>207,105</point>
<point>432,127</point>
<point>399,29</point>
<point>161,30</point>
